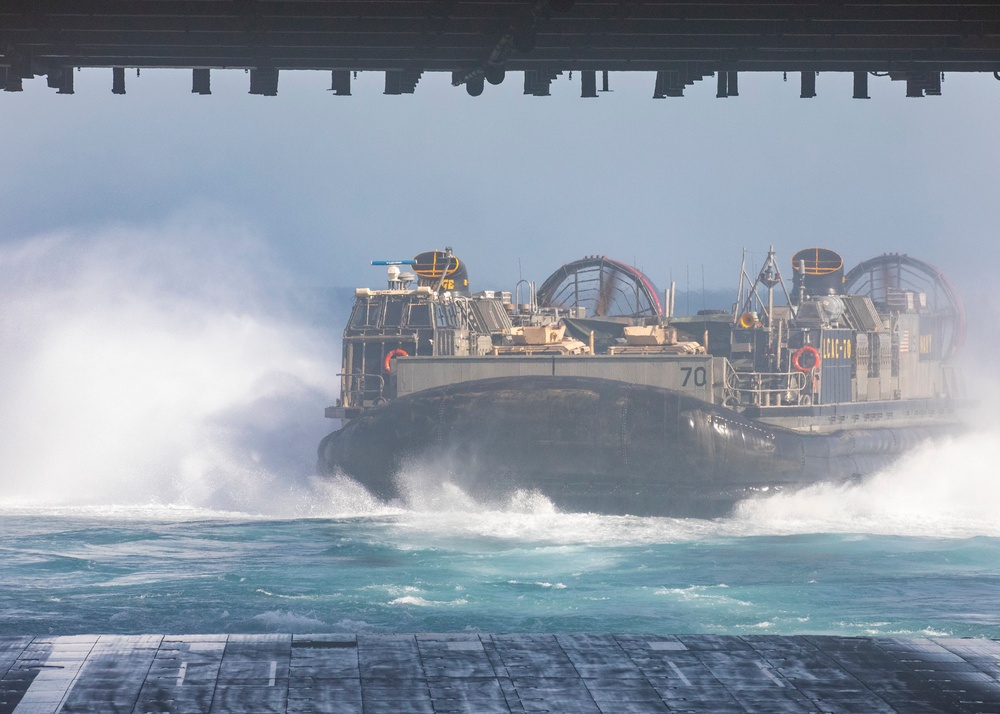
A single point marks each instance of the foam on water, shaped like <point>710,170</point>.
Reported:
<point>159,374</point>
<point>437,508</point>
<point>943,489</point>
<point>157,369</point>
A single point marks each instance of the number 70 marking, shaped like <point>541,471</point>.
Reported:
<point>700,375</point>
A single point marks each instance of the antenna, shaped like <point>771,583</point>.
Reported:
<point>687,289</point>
<point>702,286</point>
<point>394,262</point>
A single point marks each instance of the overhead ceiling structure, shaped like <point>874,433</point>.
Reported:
<point>481,43</point>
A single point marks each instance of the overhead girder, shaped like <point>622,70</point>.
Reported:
<point>468,37</point>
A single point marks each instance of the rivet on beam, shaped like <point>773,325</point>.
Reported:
<point>402,81</point>
<point>658,86</point>
<point>732,80</point>
<point>393,82</point>
<point>264,81</point>
<point>67,83</point>
<point>933,84</point>
<point>861,85</point>
<point>10,81</point>
<point>475,85</point>
<point>118,80</point>
<point>201,81</point>
<point>61,79</point>
<point>495,73</point>
<point>808,90</point>
<point>340,82</point>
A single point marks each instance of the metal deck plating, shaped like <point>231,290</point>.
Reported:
<point>400,674</point>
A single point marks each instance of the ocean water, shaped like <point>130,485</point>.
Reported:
<point>158,430</point>
<point>863,560</point>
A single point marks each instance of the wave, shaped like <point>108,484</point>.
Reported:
<point>157,368</point>
<point>947,488</point>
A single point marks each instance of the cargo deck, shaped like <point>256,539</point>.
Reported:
<point>565,673</point>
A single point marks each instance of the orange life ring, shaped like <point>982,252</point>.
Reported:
<point>388,358</point>
<point>804,350</point>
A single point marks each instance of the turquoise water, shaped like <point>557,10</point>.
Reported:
<point>824,561</point>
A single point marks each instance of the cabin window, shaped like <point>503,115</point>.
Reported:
<point>420,315</point>
<point>365,314</point>
<point>393,313</point>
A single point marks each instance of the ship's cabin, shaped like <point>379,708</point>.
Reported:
<point>884,331</point>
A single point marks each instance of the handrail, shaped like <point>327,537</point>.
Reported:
<point>354,388</point>
<point>761,388</point>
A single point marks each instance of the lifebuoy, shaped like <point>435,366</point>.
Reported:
<point>386,364</point>
<point>800,353</point>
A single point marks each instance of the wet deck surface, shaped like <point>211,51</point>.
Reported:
<point>480,674</point>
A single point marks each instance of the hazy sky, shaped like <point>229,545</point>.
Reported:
<point>333,182</point>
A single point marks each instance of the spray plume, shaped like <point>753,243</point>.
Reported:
<point>156,366</point>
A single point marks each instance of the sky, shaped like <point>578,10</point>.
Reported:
<point>518,185</point>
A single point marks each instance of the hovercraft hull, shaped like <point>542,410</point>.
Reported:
<point>599,445</point>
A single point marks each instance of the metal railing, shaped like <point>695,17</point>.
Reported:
<point>764,389</point>
<point>357,390</point>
